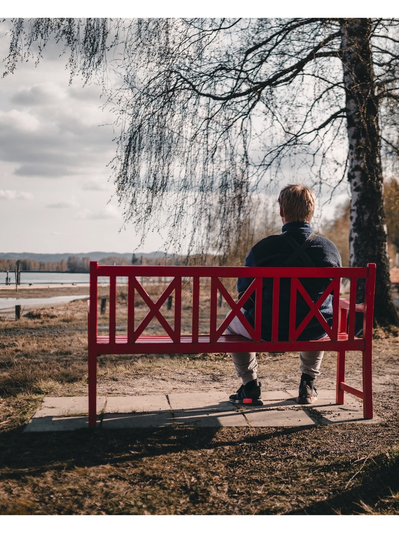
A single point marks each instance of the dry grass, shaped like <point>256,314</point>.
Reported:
<point>342,469</point>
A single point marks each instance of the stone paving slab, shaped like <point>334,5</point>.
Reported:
<point>136,404</point>
<point>264,417</point>
<point>203,409</point>
<point>136,420</point>
<point>62,414</point>
<point>136,412</point>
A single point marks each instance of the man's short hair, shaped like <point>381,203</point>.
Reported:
<point>297,203</point>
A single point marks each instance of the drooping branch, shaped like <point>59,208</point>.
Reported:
<point>205,104</point>
<point>172,121</point>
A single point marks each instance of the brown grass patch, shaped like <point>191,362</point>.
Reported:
<point>342,469</point>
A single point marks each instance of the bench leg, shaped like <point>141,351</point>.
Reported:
<point>92,382</point>
<point>367,384</point>
<point>340,377</point>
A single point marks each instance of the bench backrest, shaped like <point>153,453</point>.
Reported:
<point>193,277</point>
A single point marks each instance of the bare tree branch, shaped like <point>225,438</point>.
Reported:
<point>212,111</point>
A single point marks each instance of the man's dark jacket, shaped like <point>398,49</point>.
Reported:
<point>275,250</point>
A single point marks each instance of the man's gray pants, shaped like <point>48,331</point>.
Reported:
<point>246,363</point>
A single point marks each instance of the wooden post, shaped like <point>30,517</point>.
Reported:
<point>103,305</point>
<point>17,312</point>
<point>17,274</point>
<point>170,300</point>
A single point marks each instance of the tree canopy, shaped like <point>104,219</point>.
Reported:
<point>214,112</point>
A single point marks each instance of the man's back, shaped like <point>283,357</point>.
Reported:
<point>277,250</point>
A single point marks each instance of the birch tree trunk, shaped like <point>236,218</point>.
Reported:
<point>368,237</point>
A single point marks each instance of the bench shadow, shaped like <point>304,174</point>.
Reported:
<point>25,455</point>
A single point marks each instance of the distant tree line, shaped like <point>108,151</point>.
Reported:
<point>336,230</point>
<point>80,265</point>
<point>29,265</point>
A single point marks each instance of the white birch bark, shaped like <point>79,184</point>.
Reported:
<point>368,235</point>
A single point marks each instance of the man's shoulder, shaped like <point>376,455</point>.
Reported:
<point>274,249</point>
<point>326,251</point>
<point>270,239</point>
<point>267,249</point>
<point>319,239</point>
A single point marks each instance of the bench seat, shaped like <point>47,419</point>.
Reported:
<point>155,344</point>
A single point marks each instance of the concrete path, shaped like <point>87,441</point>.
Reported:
<point>209,409</point>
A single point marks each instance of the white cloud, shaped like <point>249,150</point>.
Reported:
<point>42,170</point>
<point>59,233</point>
<point>15,195</point>
<point>50,129</point>
<point>64,204</point>
<point>18,122</point>
<point>53,145</point>
<point>96,184</point>
<point>43,94</point>
<point>109,211</point>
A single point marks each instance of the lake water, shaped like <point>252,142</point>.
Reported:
<point>57,278</point>
<point>42,278</point>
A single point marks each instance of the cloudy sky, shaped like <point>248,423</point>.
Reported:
<point>56,193</point>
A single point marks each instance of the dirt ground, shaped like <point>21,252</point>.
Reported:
<point>338,469</point>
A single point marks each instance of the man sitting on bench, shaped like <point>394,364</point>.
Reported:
<point>297,245</point>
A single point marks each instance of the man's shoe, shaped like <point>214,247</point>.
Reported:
<point>307,391</point>
<point>248,395</point>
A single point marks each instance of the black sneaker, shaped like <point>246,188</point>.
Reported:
<point>307,391</point>
<point>248,394</point>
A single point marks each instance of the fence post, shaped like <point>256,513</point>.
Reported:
<point>17,274</point>
<point>103,305</point>
<point>170,300</point>
<point>17,312</point>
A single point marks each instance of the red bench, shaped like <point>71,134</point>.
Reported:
<point>135,340</point>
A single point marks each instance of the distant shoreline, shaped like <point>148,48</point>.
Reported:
<point>94,255</point>
<point>43,291</point>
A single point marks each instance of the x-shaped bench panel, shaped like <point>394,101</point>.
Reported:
<point>256,286</point>
<point>154,310</point>
<point>314,308</point>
